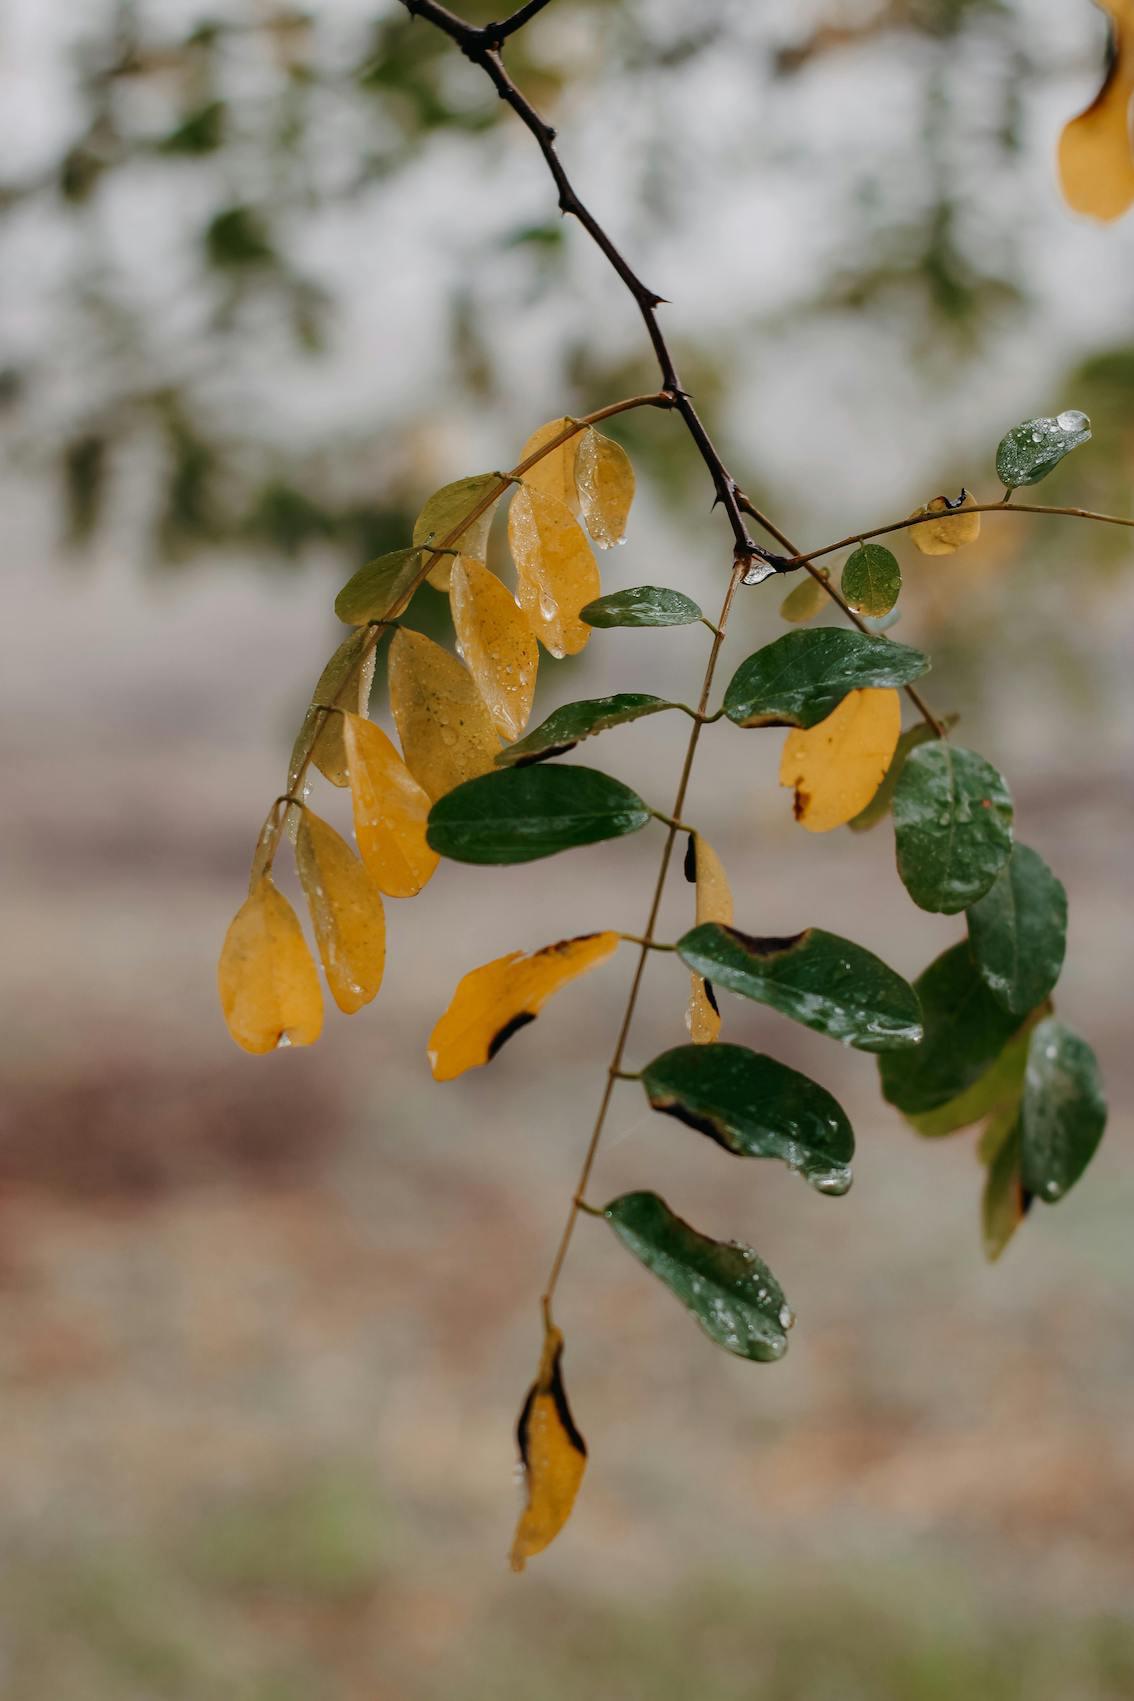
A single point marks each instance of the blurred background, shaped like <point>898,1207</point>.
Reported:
<point>270,276</point>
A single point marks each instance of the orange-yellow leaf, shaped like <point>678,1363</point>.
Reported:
<point>267,979</point>
<point>497,644</point>
<point>805,601</point>
<point>553,1455</point>
<point>1096,156</point>
<point>493,1002</point>
<point>440,576</point>
<point>346,913</point>
<point>446,732</point>
<point>713,903</point>
<point>554,475</point>
<point>604,479</point>
<point>390,811</point>
<point>557,571</point>
<point>837,766</point>
<point>942,537</point>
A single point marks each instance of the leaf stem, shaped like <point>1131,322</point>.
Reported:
<point>650,944</point>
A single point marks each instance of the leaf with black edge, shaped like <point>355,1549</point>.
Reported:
<point>553,1456</point>
<point>952,826</point>
<point>1063,1114</point>
<point>566,726</point>
<point>713,902</point>
<point>965,1032</point>
<point>521,814</point>
<point>802,676</point>
<point>642,605</point>
<point>1018,932</point>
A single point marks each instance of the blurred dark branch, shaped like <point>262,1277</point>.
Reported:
<point>496,34</point>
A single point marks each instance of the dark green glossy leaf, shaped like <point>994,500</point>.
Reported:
<point>730,1291</point>
<point>566,726</point>
<point>872,579</point>
<point>800,678</point>
<point>521,814</point>
<point>879,806</point>
<point>1001,1084</point>
<point>826,982</point>
<point>965,1032</point>
<point>952,824</point>
<point>755,1107</point>
<point>1028,452</point>
<point>1018,932</point>
<point>1063,1113</point>
<point>643,605</point>
<point>450,507</point>
<point>381,589</point>
<point>1005,1203</point>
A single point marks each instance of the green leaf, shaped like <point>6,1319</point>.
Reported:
<point>521,814</point>
<point>872,579</point>
<point>1005,1203</point>
<point>566,726</point>
<point>1018,932</point>
<point>381,589</point>
<point>800,678</point>
<point>448,507</point>
<point>730,1291</point>
<point>1029,451</point>
<point>826,982</point>
<point>965,1032</point>
<point>879,806</point>
<point>755,1107</point>
<point>1001,1084</point>
<point>344,683</point>
<point>952,824</point>
<point>1063,1113</point>
<point>644,605</point>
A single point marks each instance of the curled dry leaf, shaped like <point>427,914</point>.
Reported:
<point>713,903</point>
<point>497,1000</point>
<point>390,811</point>
<point>446,732</point>
<point>346,913</point>
<point>557,572</point>
<point>553,1455</point>
<point>957,528</point>
<point>554,474</point>
<point>1096,158</point>
<point>836,767</point>
<point>604,479</point>
<point>266,977</point>
<point>497,643</point>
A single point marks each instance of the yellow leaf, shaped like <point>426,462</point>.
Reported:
<point>266,977</point>
<point>390,811</point>
<point>553,1454</point>
<point>493,1002</point>
<point>1096,158</point>
<point>942,537</point>
<point>556,569</point>
<point>345,682</point>
<point>604,479</point>
<point>554,475</point>
<point>713,903</point>
<point>441,576</point>
<point>446,732</point>
<point>346,913</point>
<point>497,644</point>
<point>837,766</point>
<point>805,601</point>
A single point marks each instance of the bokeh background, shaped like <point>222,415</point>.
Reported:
<point>269,277</point>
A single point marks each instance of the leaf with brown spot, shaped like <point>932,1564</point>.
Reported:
<point>957,528</point>
<point>556,570</point>
<point>705,870</point>
<point>836,767</point>
<point>554,474</point>
<point>1096,157</point>
<point>498,646</point>
<point>604,479</point>
<point>553,1455</point>
<point>390,811</point>
<point>346,913</point>
<point>446,732</point>
<point>266,977</point>
<point>491,1003</point>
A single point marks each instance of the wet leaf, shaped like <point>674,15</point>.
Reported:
<point>879,806</point>
<point>704,868</point>
<point>557,575</point>
<point>554,474</point>
<point>643,605</point>
<point>953,532</point>
<point>267,979</point>
<point>756,1108</point>
<point>806,600</point>
<point>800,678</point>
<point>520,814</point>
<point>999,1085</point>
<point>552,1453</point>
<point>1063,1114</point>
<point>816,978</point>
<point>835,768</point>
<point>872,579</point>
<point>390,811</point>
<point>604,480</point>
<point>498,646</point>
<point>564,727</point>
<point>1030,451</point>
<point>730,1291</point>
<point>345,682</point>
<point>966,1031</point>
<point>952,826</point>
<point>1096,159</point>
<point>1018,932</point>
<point>495,1001</point>
<point>346,913</point>
<point>381,590</point>
<point>449,508</point>
<point>446,732</point>
<point>1004,1204</point>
